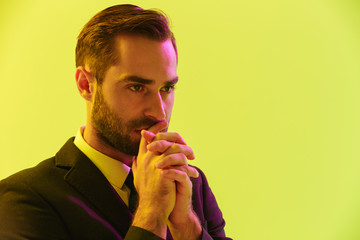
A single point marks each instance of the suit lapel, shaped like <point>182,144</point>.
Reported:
<point>87,179</point>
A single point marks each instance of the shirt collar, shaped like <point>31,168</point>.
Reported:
<point>114,170</point>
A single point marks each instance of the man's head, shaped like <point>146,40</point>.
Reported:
<point>127,60</point>
<point>95,46</point>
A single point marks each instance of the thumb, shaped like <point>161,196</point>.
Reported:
<point>149,136</point>
<point>153,129</point>
<point>143,144</point>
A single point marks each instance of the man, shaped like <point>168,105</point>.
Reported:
<point>126,61</point>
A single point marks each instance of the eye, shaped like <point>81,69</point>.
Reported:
<point>167,89</point>
<point>136,88</point>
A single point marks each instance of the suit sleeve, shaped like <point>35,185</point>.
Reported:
<point>140,233</point>
<point>208,211</point>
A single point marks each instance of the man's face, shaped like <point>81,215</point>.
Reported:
<point>136,93</point>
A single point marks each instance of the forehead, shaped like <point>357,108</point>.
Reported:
<point>141,55</point>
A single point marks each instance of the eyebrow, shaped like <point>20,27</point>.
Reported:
<point>133,78</point>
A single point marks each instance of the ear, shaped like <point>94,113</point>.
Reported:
<point>85,83</point>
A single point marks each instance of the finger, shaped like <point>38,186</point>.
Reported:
<point>176,159</point>
<point>184,185</point>
<point>149,136</point>
<point>154,129</point>
<point>159,146</point>
<point>144,156</point>
<point>179,148</point>
<point>168,148</point>
<point>134,168</point>
<point>143,144</point>
<point>161,125</point>
<point>171,137</point>
<point>189,170</point>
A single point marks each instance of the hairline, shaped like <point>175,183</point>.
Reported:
<point>116,56</point>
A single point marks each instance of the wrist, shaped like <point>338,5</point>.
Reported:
<point>151,221</point>
<point>190,228</point>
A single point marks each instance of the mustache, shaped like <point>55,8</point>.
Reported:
<point>143,122</point>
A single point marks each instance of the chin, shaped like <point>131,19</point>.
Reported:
<point>135,137</point>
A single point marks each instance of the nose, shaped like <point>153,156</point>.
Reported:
<point>156,108</point>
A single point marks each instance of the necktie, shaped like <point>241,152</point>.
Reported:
<point>133,194</point>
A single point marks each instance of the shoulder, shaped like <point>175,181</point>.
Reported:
<point>47,170</point>
<point>23,184</point>
<point>31,174</point>
<point>29,181</point>
<point>24,204</point>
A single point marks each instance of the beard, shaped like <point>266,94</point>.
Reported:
<point>112,129</point>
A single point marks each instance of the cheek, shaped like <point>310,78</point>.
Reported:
<point>168,104</point>
<point>121,105</point>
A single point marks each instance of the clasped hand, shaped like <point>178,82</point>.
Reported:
<point>162,179</point>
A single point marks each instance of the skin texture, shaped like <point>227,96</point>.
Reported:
<point>127,119</point>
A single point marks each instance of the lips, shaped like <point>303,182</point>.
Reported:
<point>140,129</point>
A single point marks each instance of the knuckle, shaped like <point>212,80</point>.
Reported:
<point>182,168</point>
<point>177,135</point>
<point>184,176</point>
<point>181,157</point>
<point>175,147</point>
<point>176,157</point>
<point>181,174</point>
<point>159,136</point>
<point>161,143</point>
<point>170,157</point>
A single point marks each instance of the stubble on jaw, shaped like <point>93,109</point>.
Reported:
<point>112,129</point>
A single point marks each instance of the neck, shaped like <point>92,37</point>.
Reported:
<point>100,145</point>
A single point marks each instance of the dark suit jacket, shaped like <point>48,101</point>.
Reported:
<point>67,197</point>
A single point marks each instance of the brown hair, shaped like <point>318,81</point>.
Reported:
<point>95,45</point>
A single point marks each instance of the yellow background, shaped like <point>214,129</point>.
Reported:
<point>268,99</point>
